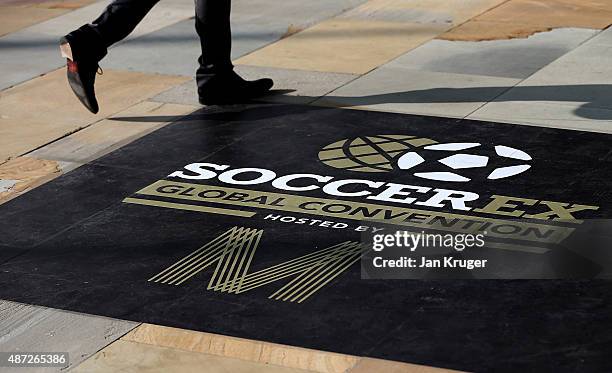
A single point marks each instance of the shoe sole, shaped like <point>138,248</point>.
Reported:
<point>73,77</point>
<point>224,102</point>
<point>233,100</point>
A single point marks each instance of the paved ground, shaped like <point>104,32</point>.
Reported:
<point>527,62</point>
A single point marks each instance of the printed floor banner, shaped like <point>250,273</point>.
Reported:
<point>269,222</point>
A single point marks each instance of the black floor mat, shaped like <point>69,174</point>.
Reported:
<point>225,252</point>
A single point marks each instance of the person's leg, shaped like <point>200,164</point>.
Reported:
<point>87,45</point>
<point>217,82</point>
<point>120,18</point>
<point>212,24</point>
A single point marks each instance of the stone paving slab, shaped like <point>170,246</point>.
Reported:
<point>369,35</point>
<point>18,14</point>
<point>294,13</point>
<point>344,46</point>
<point>517,58</point>
<point>127,356</point>
<point>521,18</point>
<point>572,92</point>
<point>34,50</point>
<point>240,348</point>
<point>586,70</point>
<point>107,135</point>
<point>451,12</point>
<point>26,55</point>
<point>604,38</point>
<point>30,120</point>
<point>368,365</point>
<point>556,13</point>
<point>13,18</point>
<point>265,352</point>
<point>172,50</point>
<point>165,13</point>
<point>298,86</point>
<point>26,328</point>
<point>403,90</point>
<point>543,114</point>
<point>48,4</point>
<point>250,31</point>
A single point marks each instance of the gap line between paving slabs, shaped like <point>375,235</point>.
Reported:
<point>237,139</point>
<point>494,98</point>
<point>358,76</point>
<point>535,72</point>
<point>178,117</point>
<point>417,46</point>
<point>288,35</point>
<point>110,343</point>
<point>24,317</point>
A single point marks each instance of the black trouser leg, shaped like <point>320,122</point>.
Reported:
<point>212,25</point>
<point>118,20</point>
<point>213,28</point>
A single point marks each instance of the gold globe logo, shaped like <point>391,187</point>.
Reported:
<point>370,153</point>
<point>383,153</point>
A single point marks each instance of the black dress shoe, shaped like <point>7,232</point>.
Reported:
<point>229,88</point>
<point>82,66</point>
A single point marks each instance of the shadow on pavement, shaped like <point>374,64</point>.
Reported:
<point>596,99</point>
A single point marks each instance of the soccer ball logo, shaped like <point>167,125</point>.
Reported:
<point>460,160</point>
<point>425,158</point>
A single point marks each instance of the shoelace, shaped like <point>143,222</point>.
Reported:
<point>100,71</point>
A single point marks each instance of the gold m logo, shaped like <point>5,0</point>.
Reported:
<point>233,253</point>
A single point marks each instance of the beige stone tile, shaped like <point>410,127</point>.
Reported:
<point>195,341</point>
<point>344,45</point>
<point>367,365</point>
<point>262,352</point>
<point>521,18</point>
<point>19,175</point>
<point>318,361</point>
<point>13,18</point>
<point>63,4</point>
<point>44,109</point>
<point>18,14</point>
<point>556,13</point>
<point>492,30</point>
<point>109,134</point>
<point>49,4</point>
<point>126,356</point>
